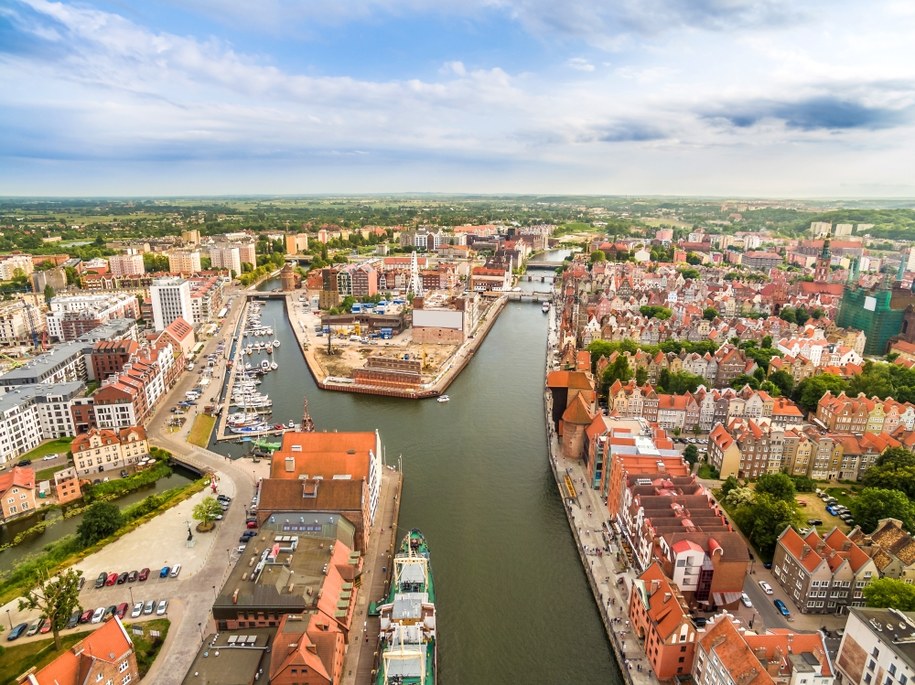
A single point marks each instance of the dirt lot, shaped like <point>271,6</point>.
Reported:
<point>816,509</point>
<point>348,356</point>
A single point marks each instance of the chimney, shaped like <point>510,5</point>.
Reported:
<point>655,584</point>
<point>667,597</point>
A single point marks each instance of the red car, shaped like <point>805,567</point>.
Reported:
<point>121,611</point>
<point>45,627</point>
<point>144,574</point>
<point>112,579</point>
<point>86,616</point>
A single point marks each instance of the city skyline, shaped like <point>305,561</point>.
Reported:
<point>719,97</point>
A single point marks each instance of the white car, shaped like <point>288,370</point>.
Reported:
<point>766,587</point>
<point>162,608</point>
<point>98,615</point>
<point>137,610</point>
<point>49,457</point>
<point>746,600</point>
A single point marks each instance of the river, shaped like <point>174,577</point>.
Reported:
<point>10,557</point>
<point>513,603</point>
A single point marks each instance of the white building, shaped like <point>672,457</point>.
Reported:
<point>16,321</point>
<point>126,265</point>
<point>226,257</point>
<point>171,298</point>
<point>33,414</point>
<point>11,263</point>
<point>79,311</point>
<point>184,261</point>
<point>62,364</point>
<point>878,648</point>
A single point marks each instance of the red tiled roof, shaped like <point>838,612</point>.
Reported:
<point>19,476</point>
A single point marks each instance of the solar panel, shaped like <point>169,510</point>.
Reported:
<point>232,639</point>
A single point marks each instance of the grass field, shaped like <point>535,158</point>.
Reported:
<point>201,430</point>
<point>59,446</point>
<point>17,660</point>
<point>146,646</point>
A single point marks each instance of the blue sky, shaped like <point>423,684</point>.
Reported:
<point>712,97</point>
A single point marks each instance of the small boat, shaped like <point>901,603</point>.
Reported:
<point>443,399</point>
<point>265,365</point>
<point>274,366</point>
<point>268,349</point>
<point>248,366</point>
<point>544,306</point>
<point>276,343</point>
<point>291,424</point>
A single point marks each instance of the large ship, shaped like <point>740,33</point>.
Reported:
<point>408,638</point>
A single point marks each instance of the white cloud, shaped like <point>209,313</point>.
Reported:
<point>580,64</point>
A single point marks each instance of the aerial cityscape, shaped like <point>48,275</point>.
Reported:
<point>484,342</point>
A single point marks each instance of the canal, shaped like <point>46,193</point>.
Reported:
<point>12,556</point>
<point>513,602</point>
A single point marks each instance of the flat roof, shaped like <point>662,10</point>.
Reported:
<point>231,658</point>
<point>47,363</point>
<point>41,390</point>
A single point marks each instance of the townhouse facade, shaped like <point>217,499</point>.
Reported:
<point>822,575</point>
<point>17,492</point>
<point>100,450</point>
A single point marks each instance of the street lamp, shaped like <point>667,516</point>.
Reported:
<point>214,592</point>
<point>130,590</point>
<point>200,628</point>
<point>10,618</point>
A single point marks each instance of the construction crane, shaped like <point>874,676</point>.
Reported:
<point>14,363</point>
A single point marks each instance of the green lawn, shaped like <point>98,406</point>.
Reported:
<point>200,431</point>
<point>843,495</point>
<point>59,446</point>
<point>708,472</point>
<point>146,646</point>
<point>20,658</point>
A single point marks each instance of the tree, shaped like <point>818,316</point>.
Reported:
<point>889,592</point>
<point>598,256</point>
<point>873,504</point>
<point>653,311</point>
<point>709,313</point>
<point>48,293</point>
<point>618,370</point>
<point>783,380</point>
<point>691,454</point>
<point>100,520</point>
<point>56,597</point>
<point>729,484</point>
<point>641,376</point>
<point>777,485</point>
<point>740,496</point>
<point>206,512</point>
<point>763,520</point>
<point>810,391</point>
<point>894,470</point>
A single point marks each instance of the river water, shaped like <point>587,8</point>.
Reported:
<point>10,557</point>
<point>513,603</point>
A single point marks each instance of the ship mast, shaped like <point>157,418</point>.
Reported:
<point>308,426</point>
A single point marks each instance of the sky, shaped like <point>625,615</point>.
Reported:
<point>761,98</point>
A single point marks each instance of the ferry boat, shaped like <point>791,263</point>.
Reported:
<point>443,398</point>
<point>544,306</point>
<point>408,638</point>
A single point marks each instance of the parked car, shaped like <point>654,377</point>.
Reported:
<point>100,581</point>
<point>111,579</point>
<point>162,608</point>
<point>251,525</point>
<point>74,619</point>
<point>97,615</point>
<point>746,600</point>
<point>45,627</point>
<point>164,572</point>
<point>700,621</point>
<point>766,587</point>
<point>250,534</point>
<point>110,611</point>
<point>122,578</point>
<point>144,574</point>
<point>832,510</point>
<point>17,632</point>
<point>49,457</point>
<point>121,611</point>
<point>82,581</point>
<point>137,610</point>
<point>132,576</point>
<point>149,607</point>
<point>782,608</point>
<point>86,616</point>
<point>814,522</point>
<point>244,539</point>
<point>223,498</point>
<point>176,569</point>
<point>34,626</point>
<point>24,462</point>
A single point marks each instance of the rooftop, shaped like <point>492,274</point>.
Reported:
<point>231,658</point>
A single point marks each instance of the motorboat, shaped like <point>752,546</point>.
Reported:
<point>265,365</point>
<point>274,366</point>
<point>442,399</point>
<point>276,343</point>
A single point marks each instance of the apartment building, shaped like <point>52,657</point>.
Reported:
<point>822,575</point>
<point>206,298</point>
<point>74,315</point>
<point>877,648</point>
<point>184,262</point>
<point>15,264</point>
<point>224,256</point>
<point>100,450</point>
<point>121,265</point>
<point>17,492</point>
<point>891,547</point>
<point>728,654</point>
<point>171,299</point>
<point>660,619</point>
<point>18,321</point>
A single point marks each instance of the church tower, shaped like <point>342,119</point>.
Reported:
<point>821,271</point>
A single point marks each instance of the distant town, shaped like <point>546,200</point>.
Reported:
<point>729,403</point>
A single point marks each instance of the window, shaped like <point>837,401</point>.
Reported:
<point>892,669</point>
<point>123,666</point>
<point>126,679</point>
